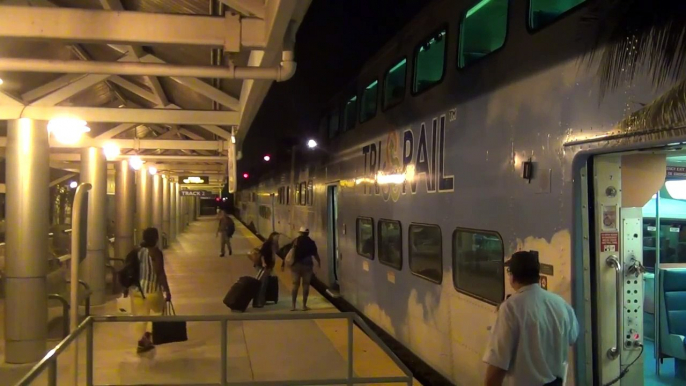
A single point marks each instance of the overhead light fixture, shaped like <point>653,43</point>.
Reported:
<point>73,184</point>
<point>312,144</point>
<point>136,162</point>
<point>233,137</point>
<point>67,130</point>
<point>111,151</point>
<point>1,81</point>
<point>267,158</point>
<point>152,170</point>
<point>676,189</point>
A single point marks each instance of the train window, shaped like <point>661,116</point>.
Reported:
<point>544,12</point>
<point>369,101</point>
<point>482,31</point>
<point>365,237</point>
<point>391,243</point>
<point>394,84</point>
<point>426,251</point>
<point>478,258</point>
<point>429,62</point>
<point>302,194</point>
<point>333,123</point>
<point>310,193</point>
<point>350,114</point>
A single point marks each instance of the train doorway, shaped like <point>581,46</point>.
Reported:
<point>332,236</point>
<point>636,266</point>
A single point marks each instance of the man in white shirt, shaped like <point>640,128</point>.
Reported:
<point>530,340</point>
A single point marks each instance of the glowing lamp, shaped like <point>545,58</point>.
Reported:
<point>245,175</point>
<point>676,189</point>
<point>136,162</point>
<point>152,170</point>
<point>111,151</point>
<point>312,144</point>
<point>67,130</point>
<point>267,158</point>
<point>73,184</point>
<point>1,82</point>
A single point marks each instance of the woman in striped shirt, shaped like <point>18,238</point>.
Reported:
<point>153,282</point>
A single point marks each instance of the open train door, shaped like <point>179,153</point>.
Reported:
<point>619,186</point>
<point>332,235</point>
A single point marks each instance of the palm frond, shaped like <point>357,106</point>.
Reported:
<point>634,36</point>
<point>667,111</point>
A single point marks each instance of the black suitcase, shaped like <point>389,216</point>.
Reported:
<point>273,289</point>
<point>242,293</point>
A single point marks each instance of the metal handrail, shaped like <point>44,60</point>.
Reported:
<point>65,313</point>
<point>49,362</point>
<point>88,293</point>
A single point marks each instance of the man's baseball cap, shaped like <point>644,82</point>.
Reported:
<point>524,263</point>
<point>304,230</point>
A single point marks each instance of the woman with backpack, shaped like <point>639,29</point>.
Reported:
<point>149,288</point>
<point>268,256</point>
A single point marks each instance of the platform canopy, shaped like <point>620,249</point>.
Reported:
<point>166,80</point>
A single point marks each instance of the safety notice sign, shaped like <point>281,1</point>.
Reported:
<point>609,242</point>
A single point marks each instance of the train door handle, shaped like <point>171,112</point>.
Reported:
<point>612,261</point>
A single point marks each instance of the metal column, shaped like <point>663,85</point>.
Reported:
<point>94,171</point>
<point>173,211</point>
<point>124,203</point>
<point>157,203</point>
<point>27,199</point>
<point>166,209</point>
<point>143,202</point>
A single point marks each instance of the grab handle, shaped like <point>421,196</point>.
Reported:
<point>613,262</point>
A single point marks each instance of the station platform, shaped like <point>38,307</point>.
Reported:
<point>258,351</point>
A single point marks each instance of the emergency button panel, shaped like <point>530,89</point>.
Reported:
<point>632,270</point>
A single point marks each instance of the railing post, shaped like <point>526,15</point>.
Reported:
<point>225,342</point>
<point>52,372</point>
<point>89,354</point>
<point>350,350</point>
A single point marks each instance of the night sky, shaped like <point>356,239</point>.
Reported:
<point>334,41</point>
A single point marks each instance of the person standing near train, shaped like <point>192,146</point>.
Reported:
<point>530,340</point>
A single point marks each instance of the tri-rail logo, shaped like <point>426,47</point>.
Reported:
<point>389,167</point>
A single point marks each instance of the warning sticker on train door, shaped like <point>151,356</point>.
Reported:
<point>609,242</point>
<point>543,281</point>
<point>610,217</point>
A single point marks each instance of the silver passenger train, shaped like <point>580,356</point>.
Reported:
<point>479,130</point>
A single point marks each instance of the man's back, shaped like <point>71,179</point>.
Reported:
<point>532,336</point>
<point>305,249</point>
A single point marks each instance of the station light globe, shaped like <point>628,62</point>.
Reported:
<point>73,184</point>
<point>67,130</point>
<point>152,170</point>
<point>111,151</point>
<point>311,143</point>
<point>267,158</point>
<point>1,82</point>
<point>136,163</point>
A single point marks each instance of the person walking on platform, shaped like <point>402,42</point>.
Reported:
<point>302,269</point>
<point>530,340</point>
<point>267,254</point>
<point>227,229</point>
<point>147,295</point>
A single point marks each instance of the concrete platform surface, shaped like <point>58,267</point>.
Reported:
<point>257,350</point>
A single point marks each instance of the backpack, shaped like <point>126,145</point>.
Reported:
<point>230,228</point>
<point>129,275</point>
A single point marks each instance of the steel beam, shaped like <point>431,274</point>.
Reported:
<point>113,132</point>
<point>134,88</point>
<point>74,157</point>
<point>50,87</point>
<point>8,111</point>
<point>246,7</point>
<point>123,27</point>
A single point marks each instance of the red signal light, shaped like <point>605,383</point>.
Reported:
<point>245,175</point>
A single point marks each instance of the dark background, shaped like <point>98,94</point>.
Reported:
<point>334,41</point>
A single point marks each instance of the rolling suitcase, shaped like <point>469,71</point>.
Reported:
<point>273,289</point>
<point>242,293</point>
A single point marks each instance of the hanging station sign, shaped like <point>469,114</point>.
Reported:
<point>196,193</point>
<point>194,180</point>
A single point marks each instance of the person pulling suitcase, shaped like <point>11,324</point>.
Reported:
<point>267,252</point>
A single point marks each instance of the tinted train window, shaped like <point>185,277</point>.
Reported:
<point>391,243</point>
<point>544,12</point>
<point>333,123</point>
<point>365,237</point>
<point>394,84</point>
<point>369,101</point>
<point>426,253</point>
<point>478,259</point>
<point>429,60</point>
<point>483,30</point>
<point>350,113</point>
